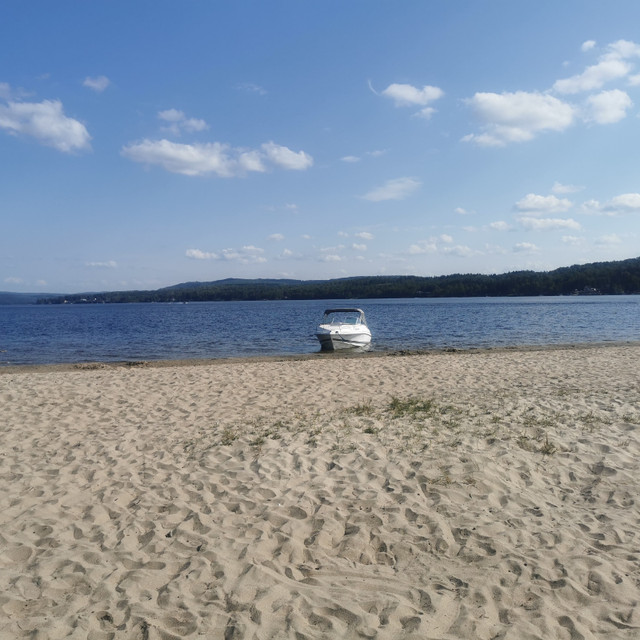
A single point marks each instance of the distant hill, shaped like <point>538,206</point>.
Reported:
<point>7,297</point>
<point>611,278</point>
<point>231,281</point>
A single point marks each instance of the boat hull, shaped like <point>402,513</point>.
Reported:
<point>336,340</point>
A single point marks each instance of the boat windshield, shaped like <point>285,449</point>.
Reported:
<point>337,317</point>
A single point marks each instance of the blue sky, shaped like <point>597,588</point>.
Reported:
<point>145,143</point>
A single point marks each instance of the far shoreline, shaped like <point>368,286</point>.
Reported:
<point>316,355</point>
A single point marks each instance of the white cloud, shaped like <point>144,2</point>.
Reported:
<point>285,158</point>
<point>592,207</point>
<point>194,124</point>
<point>459,250</point>
<point>608,107</point>
<point>588,45</point>
<point>278,237</point>
<point>548,224</point>
<point>543,204</point>
<point>407,95</point>
<point>612,65</point>
<point>359,247</point>
<point>179,123</point>
<point>13,280</point>
<point>365,235</point>
<point>462,212</point>
<point>624,203</point>
<point>45,121</point>
<point>565,188</point>
<point>252,249</point>
<point>246,255</point>
<point>594,77</point>
<point>109,264</point>
<point>609,239</point>
<point>634,81</point>
<point>171,115</point>
<point>423,247</point>
<point>525,247</point>
<point>372,154</point>
<point>197,254</point>
<point>98,84</point>
<point>251,161</point>
<point>425,113</point>
<point>573,241</point>
<point>213,158</point>
<point>331,257</point>
<point>397,189</point>
<point>442,244</point>
<point>500,225</point>
<point>186,159</point>
<point>623,49</point>
<point>517,117</point>
<point>250,87</point>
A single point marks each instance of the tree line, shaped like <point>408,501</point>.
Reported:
<point>612,278</point>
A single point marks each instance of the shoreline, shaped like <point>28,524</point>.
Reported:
<point>316,355</point>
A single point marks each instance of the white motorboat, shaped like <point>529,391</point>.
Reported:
<point>343,328</point>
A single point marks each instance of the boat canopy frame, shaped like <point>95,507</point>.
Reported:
<point>362,319</point>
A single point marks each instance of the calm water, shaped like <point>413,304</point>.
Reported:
<point>83,333</point>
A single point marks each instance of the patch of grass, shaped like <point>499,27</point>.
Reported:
<point>258,441</point>
<point>279,426</point>
<point>531,421</point>
<point>592,421</point>
<point>411,407</point>
<point>363,409</point>
<point>525,442</point>
<point>228,436</point>
<point>546,447</point>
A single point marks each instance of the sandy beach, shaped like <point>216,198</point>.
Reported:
<point>476,495</point>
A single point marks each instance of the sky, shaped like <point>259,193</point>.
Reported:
<point>147,143</point>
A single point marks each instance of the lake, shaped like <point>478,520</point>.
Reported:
<point>43,334</point>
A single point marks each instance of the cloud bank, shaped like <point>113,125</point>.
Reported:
<point>520,116</point>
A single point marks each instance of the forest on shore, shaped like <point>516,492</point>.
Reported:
<point>598,278</point>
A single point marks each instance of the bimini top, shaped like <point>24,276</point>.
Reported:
<point>349,320</point>
<point>344,310</point>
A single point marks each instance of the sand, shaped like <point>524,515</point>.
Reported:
<point>476,495</point>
